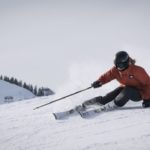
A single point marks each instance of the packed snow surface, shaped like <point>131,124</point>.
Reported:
<point>23,128</point>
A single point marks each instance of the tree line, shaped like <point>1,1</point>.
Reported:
<point>36,91</point>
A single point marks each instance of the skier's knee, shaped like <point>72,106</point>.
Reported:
<point>119,103</point>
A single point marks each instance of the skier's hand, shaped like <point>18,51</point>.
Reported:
<point>96,84</point>
<point>146,103</point>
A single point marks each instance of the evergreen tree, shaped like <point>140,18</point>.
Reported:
<point>12,80</point>
<point>35,91</point>
<point>16,81</point>
<point>20,83</point>
<point>6,78</point>
<point>31,88</point>
<point>40,92</point>
<point>24,85</point>
<point>1,77</point>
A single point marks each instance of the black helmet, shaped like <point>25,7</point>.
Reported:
<point>121,60</point>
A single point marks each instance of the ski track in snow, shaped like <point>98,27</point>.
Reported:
<point>23,128</point>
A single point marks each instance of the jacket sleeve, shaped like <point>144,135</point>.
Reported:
<point>143,77</point>
<point>108,76</point>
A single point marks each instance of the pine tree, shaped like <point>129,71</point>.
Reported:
<point>20,83</point>
<point>11,80</point>
<point>35,91</point>
<point>1,77</point>
<point>6,78</point>
<point>16,81</point>
<point>31,88</point>
<point>40,92</point>
<point>24,85</point>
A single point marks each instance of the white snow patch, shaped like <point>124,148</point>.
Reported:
<point>23,128</point>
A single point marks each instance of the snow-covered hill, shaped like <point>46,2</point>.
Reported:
<point>11,92</point>
<point>23,128</point>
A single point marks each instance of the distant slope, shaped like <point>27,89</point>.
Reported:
<point>10,92</point>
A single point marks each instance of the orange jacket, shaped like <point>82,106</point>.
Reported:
<point>134,76</point>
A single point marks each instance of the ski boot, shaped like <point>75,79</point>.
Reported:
<point>93,101</point>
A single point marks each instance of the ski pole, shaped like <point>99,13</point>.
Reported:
<point>61,98</point>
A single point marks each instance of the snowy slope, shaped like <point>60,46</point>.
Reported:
<point>23,128</point>
<point>14,91</point>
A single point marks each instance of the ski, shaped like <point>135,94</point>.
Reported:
<point>64,114</point>
<point>87,113</point>
<point>91,113</point>
<point>68,113</point>
<point>78,110</point>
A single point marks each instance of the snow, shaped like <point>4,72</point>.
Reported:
<point>14,91</point>
<point>84,37</point>
<point>23,128</point>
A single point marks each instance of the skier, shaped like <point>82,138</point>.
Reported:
<point>135,83</point>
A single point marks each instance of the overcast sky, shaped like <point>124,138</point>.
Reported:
<point>40,40</point>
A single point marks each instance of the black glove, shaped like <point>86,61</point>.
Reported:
<point>146,103</point>
<point>96,84</point>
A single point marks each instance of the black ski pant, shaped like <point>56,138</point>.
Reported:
<point>120,96</point>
